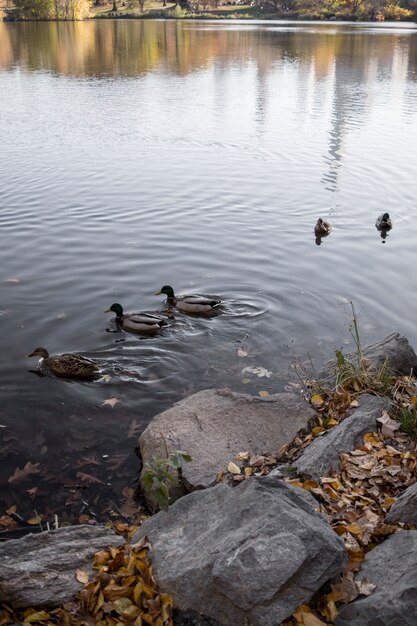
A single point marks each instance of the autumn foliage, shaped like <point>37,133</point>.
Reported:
<point>122,592</point>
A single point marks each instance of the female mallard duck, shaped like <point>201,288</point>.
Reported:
<point>189,304</point>
<point>322,227</point>
<point>138,322</point>
<point>383,222</point>
<point>67,365</point>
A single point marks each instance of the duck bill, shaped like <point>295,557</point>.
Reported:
<point>31,354</point>
<point>158,293</point>
<point>107,310</point>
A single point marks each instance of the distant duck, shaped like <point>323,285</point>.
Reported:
<point>322,227</point>
<point>189,304</point>
<point>383,222</point>
<point>68,365</point>
<point>137,322</point>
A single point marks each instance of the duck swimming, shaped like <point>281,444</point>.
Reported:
<point>189,304</point>
<point>68,365</point>
<point>322,227</point>
<point>137,322</point>
<point>383,222</point>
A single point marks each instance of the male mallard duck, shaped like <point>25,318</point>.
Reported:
<point>322,227</point>
<point>67,365</point>
<point>189,304</point>
<point>138,322</point>
<point>383,222</point>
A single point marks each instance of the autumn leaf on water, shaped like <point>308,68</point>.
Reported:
<point>261,372</point>
<point>110,402</point>
<point>34,521</point>
<point>89,478</point>
<point>87,460</point>
<point>23,474</point>
<point>263,393</point>
<point>134,429</point>
<point>242,352</point>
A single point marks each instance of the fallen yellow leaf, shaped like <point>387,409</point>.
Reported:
<point>233,468</point>
<point>317,400</point>
<point>81,576</point>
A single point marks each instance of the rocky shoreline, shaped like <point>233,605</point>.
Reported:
<point>314,525</point>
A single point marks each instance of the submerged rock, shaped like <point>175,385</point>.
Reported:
<point>39,570</point>
<point>215,425</point>
<point>254,552</point>
<point>322,455</point>
<point>392,567</point>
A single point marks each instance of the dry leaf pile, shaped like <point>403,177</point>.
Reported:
<point>356,500</point>
<point>122,592</point>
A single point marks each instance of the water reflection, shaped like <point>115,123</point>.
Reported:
<point>130,48</point>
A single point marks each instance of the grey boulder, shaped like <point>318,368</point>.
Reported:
<point>394,349</point>
<point>322,455</point>
<point>39,570</point>
<point>215,425</point>
<point>392,567</point>
<point>404,508</point>
<point>254,552</point>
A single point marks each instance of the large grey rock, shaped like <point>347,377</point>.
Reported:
<point>404,508</point>
<point>392,567</point>
<point>214,425</point>
<point>254,552</point>
<point>401,358</point>
<point>322,455</point>
<point>39,570</point>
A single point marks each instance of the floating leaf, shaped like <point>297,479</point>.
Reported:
<point>134,429</point>
<point>81,576</point>
<point>263,394</point>
<point>23,474</point>
<point>261,372</point>
<point>242,352</point>
<point>89,478</point>
<point>110,402</point>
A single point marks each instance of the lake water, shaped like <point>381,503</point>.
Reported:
<point>199,154</point>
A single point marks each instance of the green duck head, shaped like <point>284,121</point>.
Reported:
<point>115,308</point>
<point>385,217</point>
<point>167,290</point>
